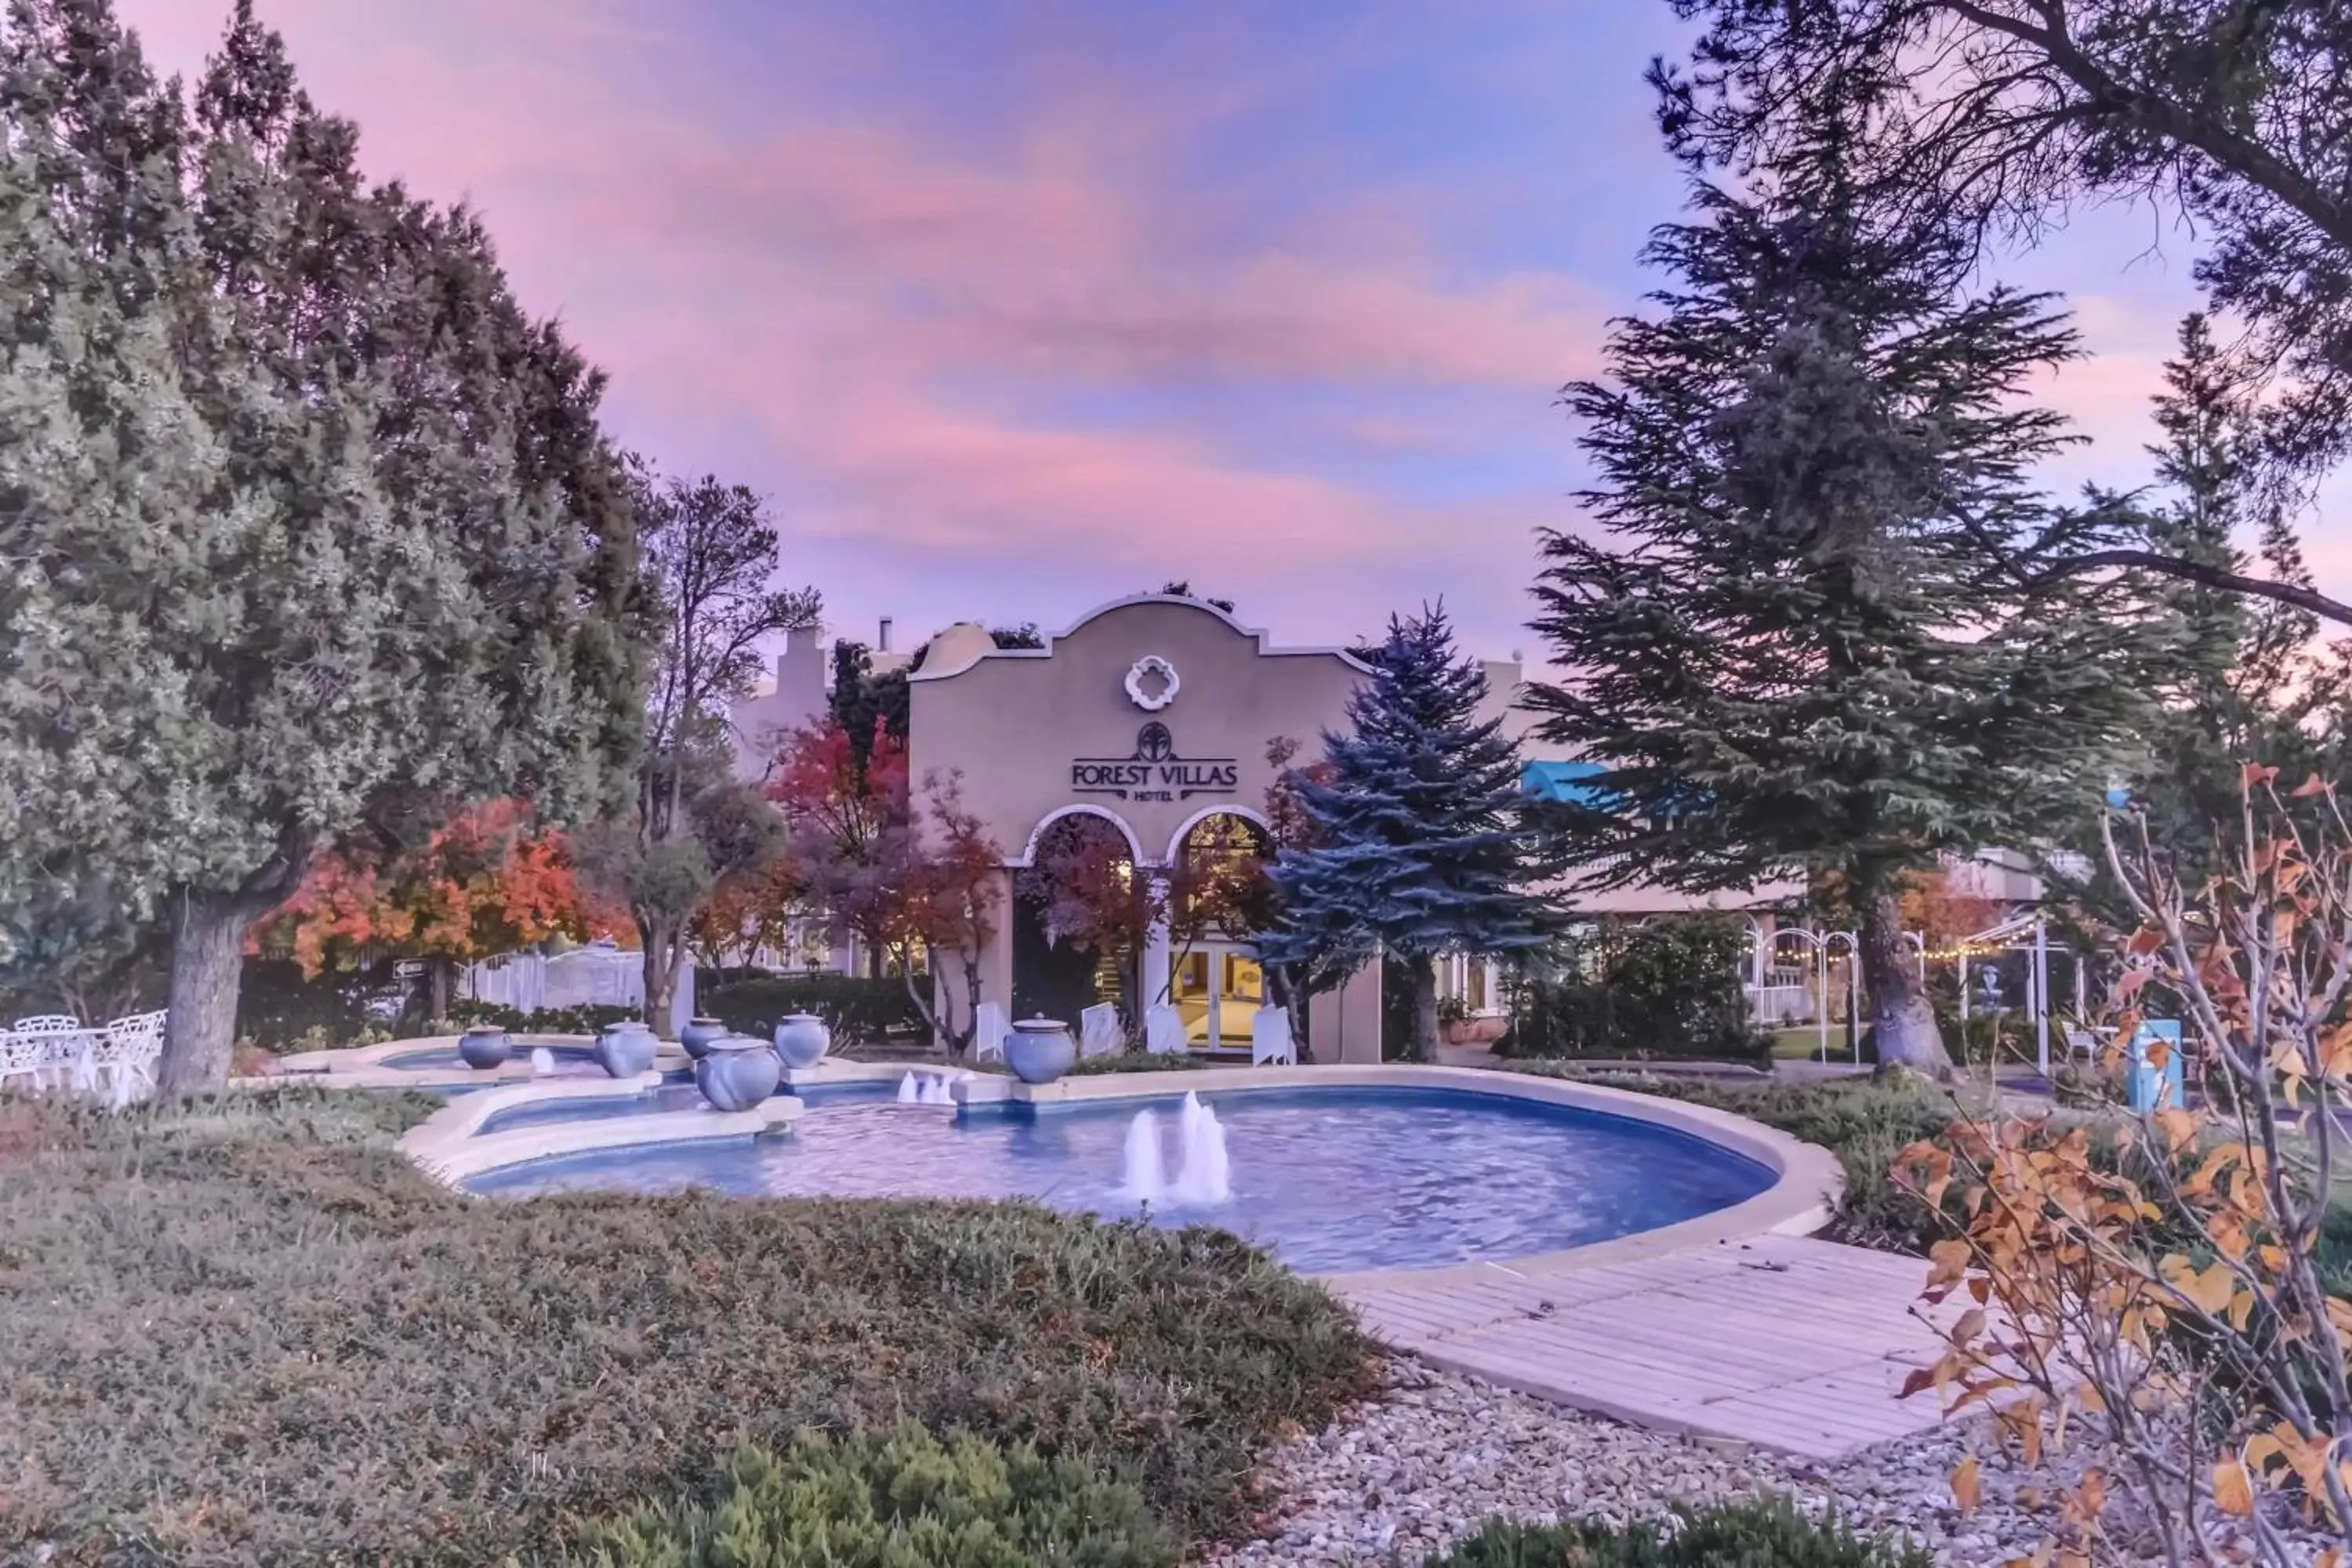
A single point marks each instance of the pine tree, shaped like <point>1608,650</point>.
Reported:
<point>1419,847</point>
<point>2250,688</point>
<point>1793,648</point>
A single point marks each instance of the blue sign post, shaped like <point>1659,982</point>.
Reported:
<point>2154,1087</point>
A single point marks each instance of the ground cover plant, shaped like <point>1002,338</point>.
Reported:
<point>899,1499</point>
<point>249,1331</point>
<point>1767,1534</point>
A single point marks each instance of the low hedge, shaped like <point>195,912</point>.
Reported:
<point>586,1019</point>
<point>904,1500</point>
<point>858,1010</point>
<point>248,1329</point>
<point>1767,1534</point>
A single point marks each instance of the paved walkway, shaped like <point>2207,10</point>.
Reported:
<point>1783,1342</point>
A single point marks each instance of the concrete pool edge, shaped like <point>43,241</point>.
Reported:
<point>450,1147</point>
<point>1808,1180</point>
<point>371,1067</point>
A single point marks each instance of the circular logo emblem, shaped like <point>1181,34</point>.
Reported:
<point>1153,743</point>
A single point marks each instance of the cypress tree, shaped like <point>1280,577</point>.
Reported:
<point>307,521</point>
<point>1419,845</point>
<point>1793,645</point>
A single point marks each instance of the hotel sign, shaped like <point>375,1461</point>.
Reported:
<point>1154,772</point>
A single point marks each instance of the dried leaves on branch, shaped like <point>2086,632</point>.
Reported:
<point>2149,1296</point>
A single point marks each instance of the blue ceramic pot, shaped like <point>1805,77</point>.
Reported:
<point>801,1040</point>
<point>1040,1050</point>
<point>698,1035</point>
<point>738,1072</point>
<point>484,1048</point>
<point>626,1049</point>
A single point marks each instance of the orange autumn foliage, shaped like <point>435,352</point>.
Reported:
<point>484,882</point>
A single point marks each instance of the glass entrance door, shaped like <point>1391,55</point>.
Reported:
<point>1215,989</point>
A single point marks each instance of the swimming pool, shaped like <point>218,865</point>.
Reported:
<point>1329,1180</point>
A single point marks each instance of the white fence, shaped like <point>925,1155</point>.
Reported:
<point>597,975</point>
<point>1771,1005</point>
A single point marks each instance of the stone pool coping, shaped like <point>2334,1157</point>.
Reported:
<point>450,1147</point>
<point>1807,1179</point>
<point>368,1067</point>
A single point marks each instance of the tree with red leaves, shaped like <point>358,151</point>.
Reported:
<point>911,891</point>
<point>844,817</point>
<point>482,882</point>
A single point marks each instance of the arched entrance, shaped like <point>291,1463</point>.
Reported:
<point>1078,915</point>
<point>1215,898</point>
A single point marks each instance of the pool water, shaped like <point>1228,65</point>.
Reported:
<point>1328,1180</point>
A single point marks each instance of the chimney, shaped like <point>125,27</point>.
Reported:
<point>886,636</point>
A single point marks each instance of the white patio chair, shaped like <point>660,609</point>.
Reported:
<point>122,1063</point>
<point>1163,1031</point>
<point>62,1047</point>
<point>1270,1038</point>
<point>988,1032</point>
<point>1098,1033</point>
<point>25,1058</point>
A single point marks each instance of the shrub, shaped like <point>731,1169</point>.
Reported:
<point>858,1010</point>
<point>587,1019</point>
<point>1770,1534</point>
<point>247,1330</point>
<point>1661,988</point>
<point>905,1500</point>
<point>281,1009</point>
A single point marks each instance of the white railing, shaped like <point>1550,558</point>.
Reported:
<point>1769,1005</point>
<point>593,976</point>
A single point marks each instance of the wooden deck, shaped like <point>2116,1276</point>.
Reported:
<point>1786,1342</point>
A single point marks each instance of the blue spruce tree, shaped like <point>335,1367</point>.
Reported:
<point>1420,847</point>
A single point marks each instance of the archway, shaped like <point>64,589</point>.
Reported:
<point>1216,897</point>
<point>1080,916</point>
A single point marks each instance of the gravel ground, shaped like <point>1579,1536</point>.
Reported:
<point>1410,1471</point>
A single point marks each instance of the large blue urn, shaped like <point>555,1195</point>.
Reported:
<point>1040,1050</point>
<point>737,1072</point>
<point>484,1046</point>
<point>626,1048</point>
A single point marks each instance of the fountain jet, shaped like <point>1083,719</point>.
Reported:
<point>1144,1183</point>
<point>910,1091</point>
<point>542,1061</point>
<point>1203,1175</point>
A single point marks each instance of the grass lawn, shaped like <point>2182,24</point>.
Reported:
<point>249,1332</point>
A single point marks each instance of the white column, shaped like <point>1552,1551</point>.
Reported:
<point>1155,954</point>
<point>2041,993</point>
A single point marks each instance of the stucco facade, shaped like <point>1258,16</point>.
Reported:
<point>1038,734</point>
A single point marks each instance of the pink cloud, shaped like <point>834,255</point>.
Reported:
<point>895,311</point>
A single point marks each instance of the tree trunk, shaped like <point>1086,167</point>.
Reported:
<point>207,962</point>
<point>663,946</point>
<point>437,973</point>
<point>1902,1023</point>
<point>1423,970</point>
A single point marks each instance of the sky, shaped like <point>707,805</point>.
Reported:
<point>1014,307</point>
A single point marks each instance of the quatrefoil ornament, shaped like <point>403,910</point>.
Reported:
<point>1151,683</point>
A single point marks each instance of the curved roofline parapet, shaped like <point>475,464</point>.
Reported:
<point>1264,645</point>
